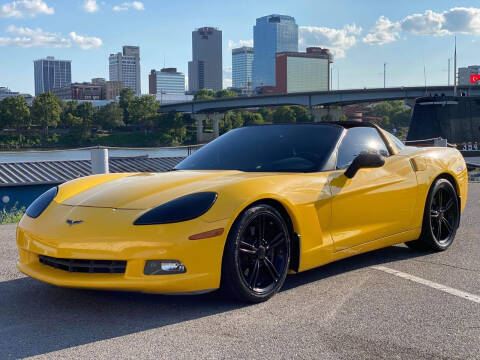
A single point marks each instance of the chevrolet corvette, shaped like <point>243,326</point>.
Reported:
<point>241,213</point>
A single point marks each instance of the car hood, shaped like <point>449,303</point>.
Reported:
<point>147,190</point>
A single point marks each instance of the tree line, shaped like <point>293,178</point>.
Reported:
<point>136,121</point>
<point>81,122</point>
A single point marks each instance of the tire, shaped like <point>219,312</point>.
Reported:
<point>255,266</point>
<point>440,219</point>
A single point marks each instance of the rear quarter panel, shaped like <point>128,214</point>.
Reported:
<point>429,164</point>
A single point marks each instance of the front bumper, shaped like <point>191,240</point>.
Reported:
<point>108,234</point>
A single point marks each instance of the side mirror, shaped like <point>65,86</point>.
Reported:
<point>364,160</point>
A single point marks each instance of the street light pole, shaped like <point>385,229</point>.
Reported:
<point>455,69</point>
<point>448,82</point>
<point>338,79</point>
<point>331,78</point>
<point>384,75</point>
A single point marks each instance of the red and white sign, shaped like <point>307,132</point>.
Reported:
<point>474,78</point>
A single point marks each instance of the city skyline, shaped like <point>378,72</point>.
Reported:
<point>361,40</point>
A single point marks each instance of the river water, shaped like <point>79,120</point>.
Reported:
<point>82,154</point>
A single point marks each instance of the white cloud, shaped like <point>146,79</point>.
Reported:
<point>240,43</point>
<point>26,37</point>
<point>337,40</point>
<point>462,20</point>
<point>90,6</point>
<point>428,23</point>
<point>227,82</point>
<point>227,77</point>
<point>384,32</point>
<point>25,8</point>
<point>135,5</point>
<point>85,42</point>
<point>457,20</point>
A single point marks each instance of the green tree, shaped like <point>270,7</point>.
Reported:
<point>15,112</point>
<point>225,94</point>
<point>267,114</point>
<point>76,127</point>
<point>143,111</point>
<point>110,116</point>
<point>46,111</point>
<point>327,117</point>
<point>301,113</point>
<point>69,108</point>
<point>204,94</point>
<point>86,111</point>
<point>250,118</point>
<point>394,114</point>
<point>127,96</point>
<point>284,114</point>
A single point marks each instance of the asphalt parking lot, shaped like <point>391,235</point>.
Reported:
<point>393,303</point>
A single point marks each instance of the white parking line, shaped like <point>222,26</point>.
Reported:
<point>434,285</point>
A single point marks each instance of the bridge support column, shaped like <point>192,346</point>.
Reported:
<point>215,118</point>
<point>199,119</point>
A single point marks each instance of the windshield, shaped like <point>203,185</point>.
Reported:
<point>271,148</point>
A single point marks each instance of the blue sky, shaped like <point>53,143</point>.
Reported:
<point>362,35</point>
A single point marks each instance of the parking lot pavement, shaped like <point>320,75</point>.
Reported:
<point>358,308</point>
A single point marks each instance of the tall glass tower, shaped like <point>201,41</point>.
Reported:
<point>205,69</point>
<point>271,34</point>
<point>242,59</point>
<point>50,74</point>
<point>125,67</point>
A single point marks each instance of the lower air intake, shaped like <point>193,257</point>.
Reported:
<point>85,266</point>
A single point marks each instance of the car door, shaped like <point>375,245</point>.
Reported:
<point>376,202</point>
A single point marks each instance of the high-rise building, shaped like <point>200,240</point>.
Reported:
<point>464,75</point>
<point>125,67</point>
<point>303,71</point>
<point>166,81</point>
<point>242,59</point>
<point>271,34</point>
<point>205,69</point>
<point>50,73</point>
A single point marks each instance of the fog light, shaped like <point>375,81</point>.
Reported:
<point>163,267</point>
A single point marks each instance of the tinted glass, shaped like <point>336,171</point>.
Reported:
<point>398,143</point>
<point>270,148</point>
<point>358,140</point>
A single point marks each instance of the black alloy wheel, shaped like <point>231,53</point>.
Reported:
<point>257,254</point>
<point>441,218</point>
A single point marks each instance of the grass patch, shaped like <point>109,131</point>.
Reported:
<point>11,216</point>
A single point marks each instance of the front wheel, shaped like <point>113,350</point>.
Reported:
<point>440,219</point>
<point>257,255</point>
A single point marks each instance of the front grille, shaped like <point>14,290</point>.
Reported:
<point>85,266</point>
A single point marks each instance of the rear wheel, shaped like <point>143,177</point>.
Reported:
<point>440,219</point>
<point>257,254</point>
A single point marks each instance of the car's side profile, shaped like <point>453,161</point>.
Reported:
<point>245,210</point>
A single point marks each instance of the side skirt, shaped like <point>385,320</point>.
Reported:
<point>378,244</point>
<point>369,246</point>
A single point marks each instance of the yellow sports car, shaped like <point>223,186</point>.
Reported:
<point>239,214</point>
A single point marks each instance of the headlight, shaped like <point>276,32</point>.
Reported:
<point>41,203</point>
<point>182,209</point>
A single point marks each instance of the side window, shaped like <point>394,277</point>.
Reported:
<point>358,140</point>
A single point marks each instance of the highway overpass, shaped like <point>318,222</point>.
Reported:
<point>310,99</point>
